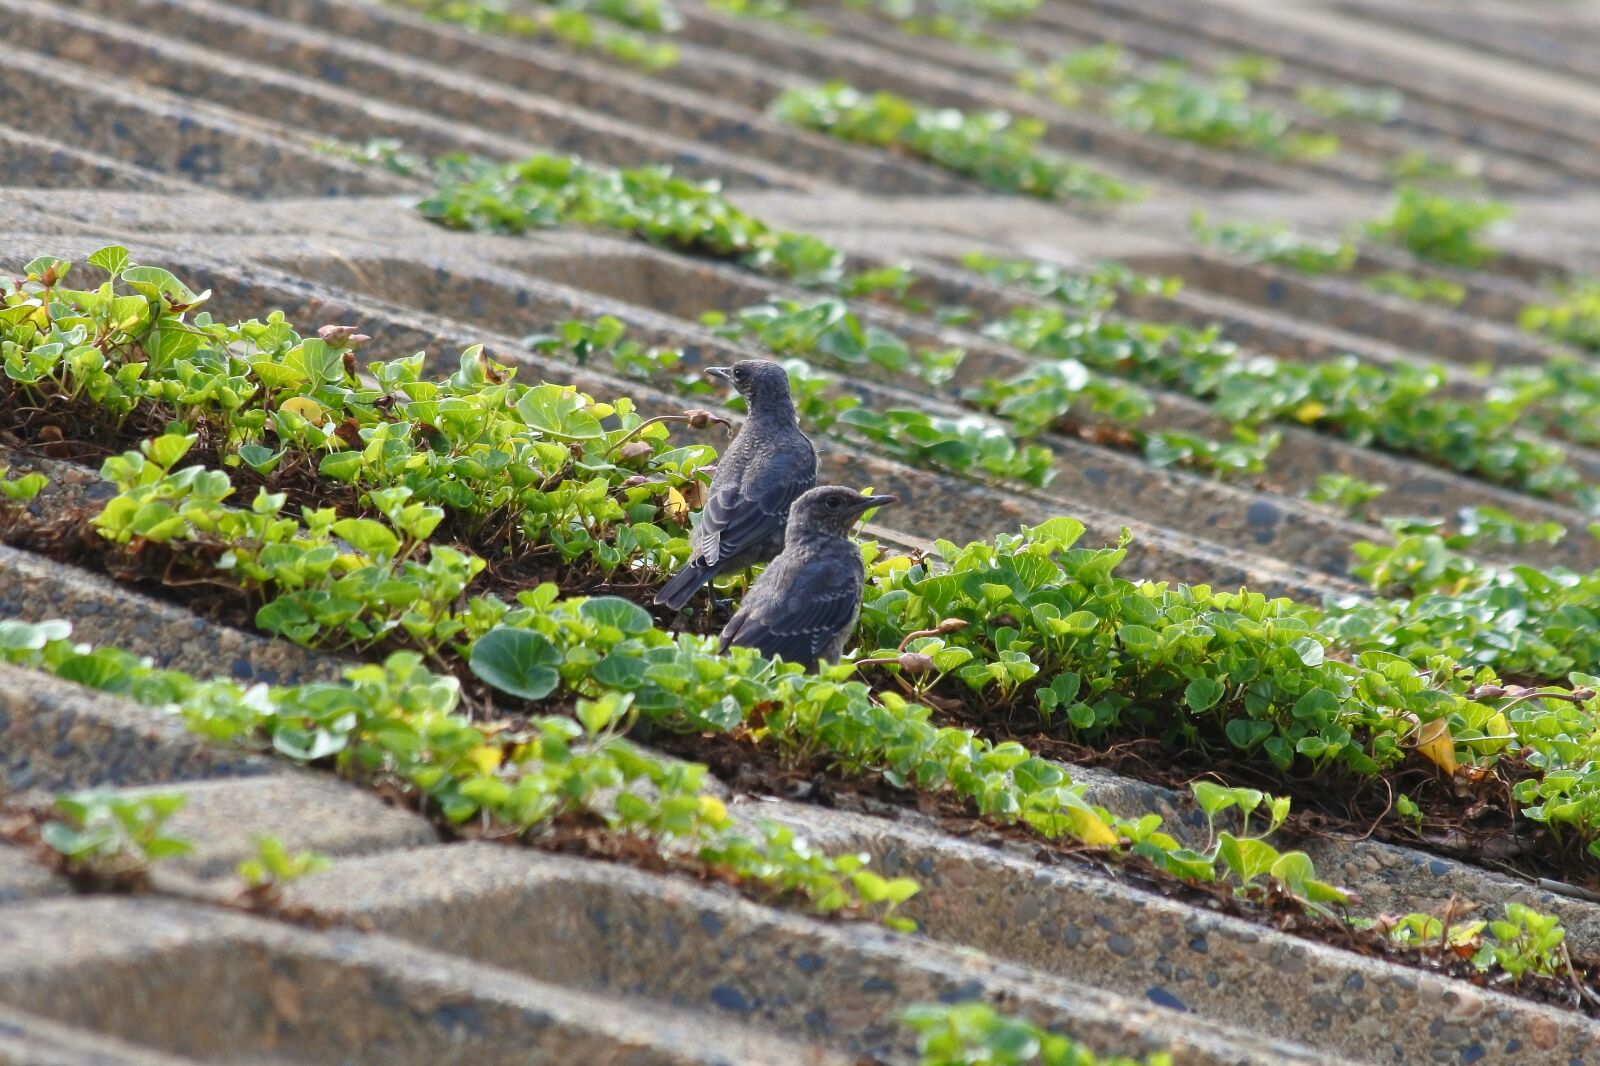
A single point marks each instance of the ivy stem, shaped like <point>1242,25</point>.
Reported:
<point>1577,982</point>
<point>895,659</point>
<point>934,632</point>
<point>698,418</point>
<point>1541,694</point>
<point>915,663</point>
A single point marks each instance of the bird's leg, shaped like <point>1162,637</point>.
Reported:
<point>714,603</point>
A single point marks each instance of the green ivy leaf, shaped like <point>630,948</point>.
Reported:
<point>166,450</point>
<point>75,844</point>
<point>516,661</point>
<point>596,715</point>
<point>1246,733</point>
<point>1317,707</point>
<point>1202,694</point>
<point>23,488</point>
<point>1139,640</point>
<point>366,535</point>
<point>155,282</point>
<point>1212,798</point>
<point>558,411</point>
<point>113,259</point>
<point>1248,858</point>
<point>95,670</point>
<point>261,459</point>
<point>1310,651</point>
<point>618,613</point>
<point>341,466</point>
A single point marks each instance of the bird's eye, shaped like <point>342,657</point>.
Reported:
<point>833,502</point>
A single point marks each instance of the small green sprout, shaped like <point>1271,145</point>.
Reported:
<point>274,866</point>
<point>115,834</point>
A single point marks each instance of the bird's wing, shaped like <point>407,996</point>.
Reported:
<point>743,512</point>
<point>798,617</point>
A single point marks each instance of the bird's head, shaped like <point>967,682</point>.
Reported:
<point>831,509</point>
<point>763,384</point>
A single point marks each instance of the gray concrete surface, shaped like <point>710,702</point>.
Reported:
<point>193,131</point>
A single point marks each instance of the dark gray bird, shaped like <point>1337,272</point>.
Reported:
<point>805,605</point>
<point>768,465</point>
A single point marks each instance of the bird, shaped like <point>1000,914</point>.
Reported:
<point>804,606</point>
<point>766,468</point>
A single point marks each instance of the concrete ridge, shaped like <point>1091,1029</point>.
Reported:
<point>228,982</point>
<point>609,928</point>
<point>195,132</point>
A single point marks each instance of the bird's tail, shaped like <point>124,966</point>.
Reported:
<point>684,584</point>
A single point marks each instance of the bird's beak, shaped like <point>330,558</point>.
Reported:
<point>723,374</point>
<point>869,502</point>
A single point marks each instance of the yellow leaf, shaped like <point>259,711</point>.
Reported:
<point>1088,827</point>
<point>1310,411</point>
<point>1435,743</point>
<point>713,810</point>
<point>485,758</point>
<point>306,408</point>
<point>677,507</point>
